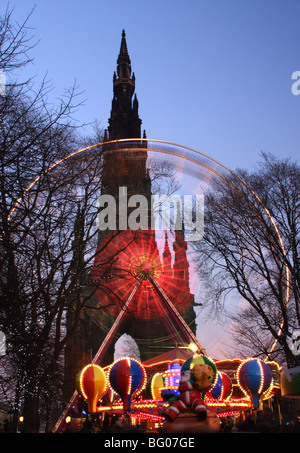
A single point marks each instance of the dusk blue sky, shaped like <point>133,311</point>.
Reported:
<point>211,75</point>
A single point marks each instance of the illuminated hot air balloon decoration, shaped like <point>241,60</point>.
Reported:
<point>254,378</point>
<point>128,378</point>
<point>154,386</point>
<point>91,384</point>
<point>222,389</point>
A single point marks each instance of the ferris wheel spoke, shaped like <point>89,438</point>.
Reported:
<point>101,351</point>
<point>186,331</point>
<point>105,344</point>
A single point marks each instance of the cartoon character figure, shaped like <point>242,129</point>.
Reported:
<point>193,385</point>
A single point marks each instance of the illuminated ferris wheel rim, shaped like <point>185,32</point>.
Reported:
<point>172,149</point>
<point>158,146</point>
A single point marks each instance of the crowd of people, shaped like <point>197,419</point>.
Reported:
<point>256,422</point>
<point>259,422</point>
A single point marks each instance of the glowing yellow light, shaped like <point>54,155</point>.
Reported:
<point>155,385</point>
<point>193,347</point>
<point>130,378</point>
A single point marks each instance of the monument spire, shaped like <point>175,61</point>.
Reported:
<point>124,121</point>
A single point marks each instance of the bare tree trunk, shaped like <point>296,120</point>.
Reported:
<point>31,415</point>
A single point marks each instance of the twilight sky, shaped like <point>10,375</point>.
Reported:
<point>213,75</point>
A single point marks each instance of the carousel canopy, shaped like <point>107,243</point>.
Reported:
<point>174,355</point>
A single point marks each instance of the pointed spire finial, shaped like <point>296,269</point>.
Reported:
<point>124,63</point>
<point>166,252</point>
<point>123,48</point>
<point>123,106</point>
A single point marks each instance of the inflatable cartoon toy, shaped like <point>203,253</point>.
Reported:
<point>194,383</point>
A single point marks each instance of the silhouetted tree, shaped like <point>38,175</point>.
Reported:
<point>33,136</point>
<point>251,248</point>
